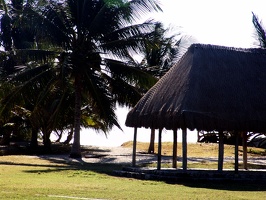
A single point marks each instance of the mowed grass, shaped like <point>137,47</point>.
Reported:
<point>32,177</point>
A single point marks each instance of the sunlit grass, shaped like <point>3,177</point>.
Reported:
<point>32,177</point>
<point>197,149</point>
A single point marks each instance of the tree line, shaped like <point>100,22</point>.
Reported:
<point>66,64</point>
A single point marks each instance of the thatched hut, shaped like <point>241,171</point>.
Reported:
<point>210,88</point>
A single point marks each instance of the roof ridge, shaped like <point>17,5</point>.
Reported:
<point>221,47</point>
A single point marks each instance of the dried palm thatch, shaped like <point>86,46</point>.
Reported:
<point>210,88</point>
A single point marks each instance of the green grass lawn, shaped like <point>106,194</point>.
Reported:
<point>30,177</point>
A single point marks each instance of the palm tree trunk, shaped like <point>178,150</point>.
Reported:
<point>75,150</point>
<point>47,143</point>
<point>59,134</point>
<point>69,137</point>
<point>34,138</point>
<point>46,140</point>
<point>152,138</point>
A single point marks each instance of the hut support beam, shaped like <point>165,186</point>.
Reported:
<point>236,152</point>
<point>184,149</point>
<point>134,147</point>
<point>221,151</point>
<point>174,148</point>
<point>159,150</point>
<point>245,152</point>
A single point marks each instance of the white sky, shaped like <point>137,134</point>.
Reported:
<point>219,22</point>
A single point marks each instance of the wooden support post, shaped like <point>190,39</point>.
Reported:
<point>236,152</point>
<point>134,147</point>
<point>245,152</point>
<point>184,149</point>
<point>174,149</point>
<point>159,150</point>
<point>221,151</point>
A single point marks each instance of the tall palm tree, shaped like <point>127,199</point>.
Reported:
<point>21,43</point>
<point>160,51</point>
<point>260,30</point>
<point>12,37</point>
<point>34,106</point>
<point>92,40</point>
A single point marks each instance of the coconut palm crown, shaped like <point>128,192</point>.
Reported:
<point>92,40</point>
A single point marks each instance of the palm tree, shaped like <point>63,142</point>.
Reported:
<point>11,37</point>
<point>92,41</point>
<point>39,108</point>
<point>160,51</point>
<point>260,30</point>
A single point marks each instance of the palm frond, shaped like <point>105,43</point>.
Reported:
<point>41,56</point>
<point>126,39</point>
<point>130,74</point>
<point>125,94</point>
<point>49,19</point>
<point>5,38</point>
<point>261,35</point>
<point>27,85</point>
<point>102,102</point>
<point>135,9</point>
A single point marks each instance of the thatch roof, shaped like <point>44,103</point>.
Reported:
<point>210,88</point>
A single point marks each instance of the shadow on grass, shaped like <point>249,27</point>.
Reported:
<point>227,185</point>
<point>63,165</point>
<point>223,184</point>
<point>58,160</point>
<point>108,169</point>
<point>57,163</point>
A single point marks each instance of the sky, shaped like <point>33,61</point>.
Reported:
<point>226,22</point>
<point>218,22</point>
